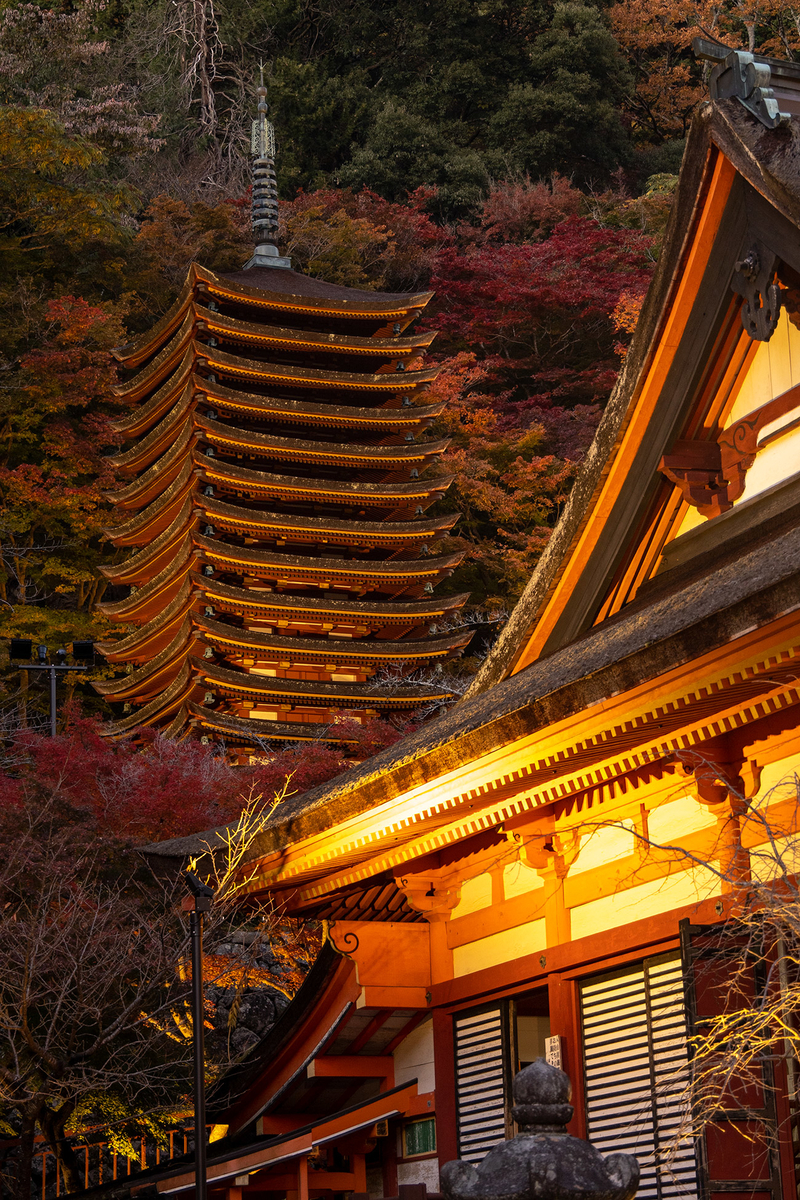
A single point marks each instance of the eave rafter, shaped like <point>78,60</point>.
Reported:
<point>560,766</point>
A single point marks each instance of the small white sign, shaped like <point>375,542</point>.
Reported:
<point>552,1050</point>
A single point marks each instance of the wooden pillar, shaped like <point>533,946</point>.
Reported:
<point>565,1023</point>
<point>444,1062</point>
<point>441,954</point>
<point>302,1177</point>
<point>358,1165</point>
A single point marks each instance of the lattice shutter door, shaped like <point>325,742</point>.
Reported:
<point>634,1045</point>
<point>480,1082</point>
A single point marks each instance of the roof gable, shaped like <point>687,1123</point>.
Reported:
<point>693,371</point>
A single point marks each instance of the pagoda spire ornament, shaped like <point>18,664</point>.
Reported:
<point>265,188</point>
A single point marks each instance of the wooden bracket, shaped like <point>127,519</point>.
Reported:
<point>711,475</point>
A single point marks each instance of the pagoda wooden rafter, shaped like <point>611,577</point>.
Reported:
<point>280,561</point>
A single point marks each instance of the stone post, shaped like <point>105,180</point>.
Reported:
<point>543,1162</point>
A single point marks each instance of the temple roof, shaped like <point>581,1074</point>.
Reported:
<point>394,573</point>
<point>255,732</point>
<point>304,339</point>
<point>298,376</point>
<point>323,529</point>
<point>163,588</point>
<point>404,612</point>
<point>274,291</point>
<point>306,691</point>
<point>218,634</point>
<point>305,412</point>
<point>268,445</point>
<point>298,488</point>
<point>157,672</point>
<point>159,630</point>
<point>154,408</point>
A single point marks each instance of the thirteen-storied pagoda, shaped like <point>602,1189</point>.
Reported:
<point>276,508</point>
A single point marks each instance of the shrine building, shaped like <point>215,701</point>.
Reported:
<point>542,869</point>
<point>280,561</point>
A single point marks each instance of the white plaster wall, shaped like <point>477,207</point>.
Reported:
<point>475,894</point>
<point>519,878</point>
<point>499,948</point>
<point>644,900</point>
<point>413,1058</point>
<point>425,1171</point>
<point>677,818</point>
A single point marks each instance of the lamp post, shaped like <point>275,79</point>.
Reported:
<point>198,902</point>
<point>21,648</point>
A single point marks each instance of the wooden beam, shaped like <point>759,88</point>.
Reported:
<point>352,1066</point>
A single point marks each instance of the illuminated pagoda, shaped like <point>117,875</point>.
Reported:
<point>282,566</point>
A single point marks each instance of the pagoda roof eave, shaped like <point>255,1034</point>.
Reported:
<point>258,732</point>
<point>253,518</point>
<point>141,417</point>
<point>243,682</point>
<point>350,648</point>
<point>146,486</point>
<point>176,349</point>
<point>164,704</point>
<point>137,565</point>
<point>392,611</point>
<point>153,672</point>
<point>126,649</point>
<point>394,568</point>
<point>125,610</point>
<point>304,339</point>
<point>310,294</point>
<point>139,348</point>
<point>305,411</point>
<point>383,494</point>
<point>134,531</point>
<point>158,439</point>
<point>307,450</point>
<point>311,377</point>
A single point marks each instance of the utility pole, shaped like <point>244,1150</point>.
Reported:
<point>198,902</point>
<point>18,650</point>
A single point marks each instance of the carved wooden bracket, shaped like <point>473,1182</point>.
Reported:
<point>711,475</point>
<point>720,782</point>
<point>755,281</point>
<point>429,894</point>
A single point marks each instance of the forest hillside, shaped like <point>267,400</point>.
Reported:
<point>517,157</point>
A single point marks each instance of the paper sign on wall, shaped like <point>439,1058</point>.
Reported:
<point>552,1050</point>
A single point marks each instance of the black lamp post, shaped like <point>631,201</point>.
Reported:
<point>82,651</point>
<point>200,902</point>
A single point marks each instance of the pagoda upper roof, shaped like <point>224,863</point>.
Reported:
<point>162,400</point>
<point>150,484</point>
<point>312,649</point>
<point>306,412</point>
<point>305,450</point>
<point>304,340</point>
<point>306,691</point>
<point>233,517</point>
<point>150,521</point>
<point>176,350</point>
<point>265,408</point>
<point>157,673</point>
<point>310,569</point>
<point>298,488</point>
<point>291,375</point>
<point>283,292</point>
<point>257,732</point>
<point>146,641</point>
<point>264,603</point>
<point>161,590</point>
<point>149,560</point>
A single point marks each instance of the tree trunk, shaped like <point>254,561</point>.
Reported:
<point>66,1158</point>
<point>27,1143</point>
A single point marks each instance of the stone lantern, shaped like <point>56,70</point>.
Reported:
<point>543,1161</point>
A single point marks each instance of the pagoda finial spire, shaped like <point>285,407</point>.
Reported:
<point>265,187</point>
